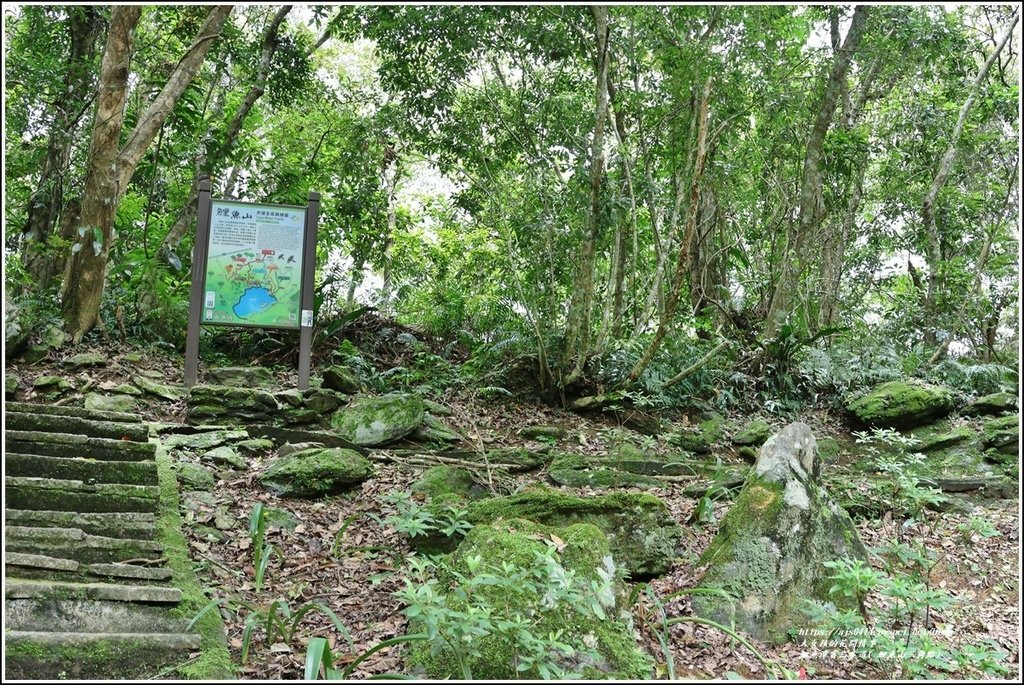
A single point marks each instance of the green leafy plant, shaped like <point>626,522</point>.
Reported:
<point>261,550</point>
<point>458,618</point>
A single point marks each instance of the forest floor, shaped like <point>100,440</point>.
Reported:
<point>347,559</point>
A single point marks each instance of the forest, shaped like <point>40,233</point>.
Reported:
<point>648,341</point>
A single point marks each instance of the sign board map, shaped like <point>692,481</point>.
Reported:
<point>254,265</point>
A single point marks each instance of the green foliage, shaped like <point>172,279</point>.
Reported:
<point>445,517</point>
<point>908,495</point>
<point>459,627</point>
<point>890,639</point>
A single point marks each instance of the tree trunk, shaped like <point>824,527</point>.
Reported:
<point>931,231</point>
<point>45,205</point>
<point>577,326</point>
<point>83,282</point>
<point>109,171</point>
<point>812,208</point>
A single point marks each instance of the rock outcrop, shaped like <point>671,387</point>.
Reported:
<point>768,556</point>
<point>901,404</point>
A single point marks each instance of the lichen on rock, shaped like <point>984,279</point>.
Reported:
<point>769,553</point>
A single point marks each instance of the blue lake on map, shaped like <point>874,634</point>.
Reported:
<point>253,301</point>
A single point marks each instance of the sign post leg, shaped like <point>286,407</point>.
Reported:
<point>306,301</point>
<point>195,308</point>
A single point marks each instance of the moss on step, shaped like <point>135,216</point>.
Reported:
<point>214,661</point>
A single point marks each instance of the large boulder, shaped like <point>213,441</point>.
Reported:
<point>641,531</point>
<point>316,472</point>
<point>16,329</point>
<point>768,556</point>
<point>992,405</point>
<point>1001,438</point>
<point>901,404</point>
<point>371,421</point>
<point>602,638</point>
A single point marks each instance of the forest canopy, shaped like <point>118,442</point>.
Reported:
<point>632,199</point>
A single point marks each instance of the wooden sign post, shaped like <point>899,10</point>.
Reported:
<point>252,266</point>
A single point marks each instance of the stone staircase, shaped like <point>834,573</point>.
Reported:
<point>87,593</point>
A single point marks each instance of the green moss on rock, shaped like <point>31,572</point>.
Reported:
<point>607,647</point>
<point>439,481</point>
<point>642,533</point>
<point>753,434</point>
<point>371,421</point>
<point>316,472</point>
<point>992,405</point>
<point>901,404</point>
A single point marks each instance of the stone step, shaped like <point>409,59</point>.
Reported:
<point>89,616</point>
<point>73,543</point>
<point>42,567</point>
<point>139,525</point>
<point>75,468</point>
<point>69,445</point>
<point>55,423</point>
<point>39,655</point>
<point>77,412</point>
<point>21,588</point>
<point>15,561</point>
<point>73,495</point>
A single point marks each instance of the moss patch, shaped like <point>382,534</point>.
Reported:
<point>214,662</point>
<point>372,421</point>
<point>316,472</point>
<point>642,533</point>
<point>584,550</point>
<point>901,404</point>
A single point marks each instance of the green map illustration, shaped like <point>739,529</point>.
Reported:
<point>254,266</point>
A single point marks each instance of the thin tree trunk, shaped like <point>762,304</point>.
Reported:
<point>683,260</point>
<point>577,328</point>
<point>204,169</point>
<point>109,170</point>
<point>45,205</point>
<point>391,174</point>
<point>934,243</point>
<point>812,208</point>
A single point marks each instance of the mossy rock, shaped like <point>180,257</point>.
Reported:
<point>193,477</point>
<point>543,433</point>
<point>225,456</point>
<point>49,383</point>
<point>11,385</point>
<point>901,404</point>
<point>323,401</point>
<point>121,403</point>
<point>341,379</point>
<point>758,560</point>
<point>575,470</point>
<point>992,405</point>
<point>84,360</point>
<point>944,440</point>
<point>371,421</point>
<point>447,481</point>
<point>642,533</point>
<point>690,439</point>
<point>1002,435</point>
<point>281,519</point>
<point>712,429</point>
<point>434,430</point>
<point>241,376</point>
<point>753,434</point>
<point>170,393</point>
<point>316,472</point>
<point>225,404</point>
<point>605,647</point>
